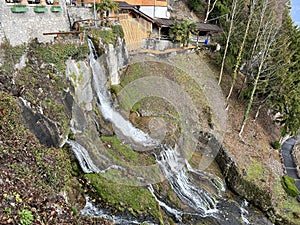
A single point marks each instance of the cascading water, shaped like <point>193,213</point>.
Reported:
<point>180,175</point>
<point>91,210</point>
<point>176,173</point>
<point>171,165</point>
<point>123,128</point>
<point>83,157</point>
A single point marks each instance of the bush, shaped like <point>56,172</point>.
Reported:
<point>288,184</point>
<point>276,145</point>
<point>118,31</point>
<point>26,217</point>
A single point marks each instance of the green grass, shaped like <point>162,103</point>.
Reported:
<point>255,171</point>
<point>173,74</point>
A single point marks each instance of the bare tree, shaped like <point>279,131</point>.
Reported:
<point>265,41</point>
<point>210,8</point>
<point>233,13</point>
<point>241,49</point>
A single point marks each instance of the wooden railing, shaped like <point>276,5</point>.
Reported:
<point>59,34</point>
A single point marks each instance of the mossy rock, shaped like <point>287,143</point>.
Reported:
<point>288,184</point>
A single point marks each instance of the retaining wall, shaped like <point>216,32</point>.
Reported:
<point>19,28</point>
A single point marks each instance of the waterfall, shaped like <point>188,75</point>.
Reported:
<point>177,174</point>
<point>244,212</point>
<point>180,175</point>
<point>83,158</point>
<point>123,128</point>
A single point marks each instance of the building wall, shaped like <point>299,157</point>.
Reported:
<point>134,2</point>
<point>19,28</point>
<point>155,11</point>
<point>145,2</point>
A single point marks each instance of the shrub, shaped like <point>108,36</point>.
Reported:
<point>118,31</point>
<point>288,184</point>
<point>276,145</point>
<point>26,217</point>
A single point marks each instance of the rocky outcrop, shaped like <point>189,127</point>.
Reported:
<point>236,181</point>
<point>234,176</point>
<point>42,127</point>
<point>116,59</point>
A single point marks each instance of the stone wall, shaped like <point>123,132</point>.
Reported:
<point>19,28</point>
<point>80,13</point>
<point>159,45</point>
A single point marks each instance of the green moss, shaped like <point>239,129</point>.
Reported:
<point>137,200</point>
<point>255,171</point>
<point>124,153</point>
<point>115,89</point>
<point>288,184</point>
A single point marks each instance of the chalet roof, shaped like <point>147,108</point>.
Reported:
<point>132,8</point>
<point>200,26</point>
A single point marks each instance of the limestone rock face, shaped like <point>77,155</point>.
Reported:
<point>116,59</point>
<point>80,76</point>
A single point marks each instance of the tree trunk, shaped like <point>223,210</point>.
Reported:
<point>233,10</point>
<point>209,9</point>
<point>239,57</point>
<point>246,114</point>
<point>265,51</point>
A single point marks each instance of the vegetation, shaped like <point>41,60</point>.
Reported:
<point>181,31</point>
<point>197,6</point>
<point>105,6</point>
<point>31,174</point>
<point>137,200</point>
<point>58,53</point>
<point>267,54</point>
<point>276,145</point>
<point>107,36</point>
<point>26,217</point>
<point>124,153</point>
<point>288,184</point>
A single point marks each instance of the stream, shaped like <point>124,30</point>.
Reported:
<point>202,193</point>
